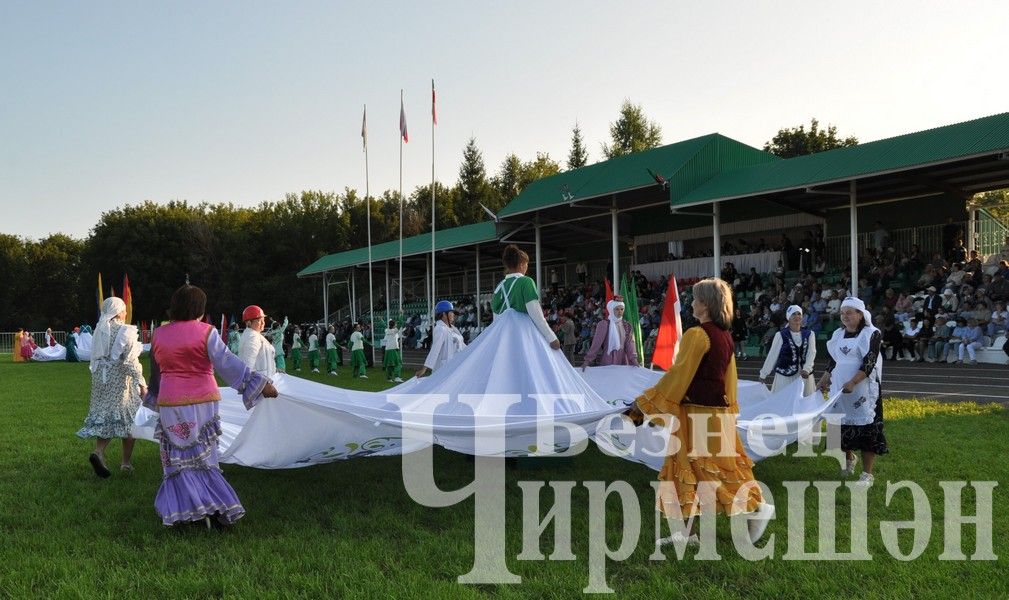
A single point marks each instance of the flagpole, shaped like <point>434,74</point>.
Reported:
<point>367,200</point>
<point>434,120</point>
<point>401,206</point>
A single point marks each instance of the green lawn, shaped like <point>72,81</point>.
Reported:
<point>349,530</point>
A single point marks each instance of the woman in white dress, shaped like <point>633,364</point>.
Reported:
<point>791,355</point>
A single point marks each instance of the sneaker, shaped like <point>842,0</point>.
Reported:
<point>315,370</point>
<point>678,538</point>
<point>849,466</point>
<point>332,372</point>
<point>865,479</point>
<point>930,359</point>
<point>972,362</point>
<point>364,376</point>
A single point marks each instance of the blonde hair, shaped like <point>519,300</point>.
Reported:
<point>716,296</point>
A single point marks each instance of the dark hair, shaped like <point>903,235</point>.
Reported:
<point>188,303</point>
<point>513,256</point>
<point>392,323</point>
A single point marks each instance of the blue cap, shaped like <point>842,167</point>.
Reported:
<point>442,307</point>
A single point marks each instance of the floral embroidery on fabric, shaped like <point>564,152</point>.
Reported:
<point>182,429</point>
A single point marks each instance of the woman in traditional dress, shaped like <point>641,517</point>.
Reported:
<point>255,350</point>
<point>792,354</point>
<point>72,345</point>
<point>392,359</point>
<point>519,293</point>
<point>117,385</point>
<point>16,347</point>
<point>28,346</point>
<point>855,370</point>
<point>184,355</point>
<point>613,341</point>
<point>700,387</point>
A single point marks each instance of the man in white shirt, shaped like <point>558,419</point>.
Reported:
<point>254,349</point>
<point>446,339</point>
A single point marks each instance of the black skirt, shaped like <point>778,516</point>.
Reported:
<point>868,438</point>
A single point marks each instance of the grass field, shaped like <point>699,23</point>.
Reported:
<point>349,529</point>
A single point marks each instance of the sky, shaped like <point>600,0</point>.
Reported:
<point>106,103</point>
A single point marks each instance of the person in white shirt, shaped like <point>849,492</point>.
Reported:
<point>331,350</point>
<point>313,350</point>
<point>834,306</point>
<point>792,354</point>
<point>254,349</point>
<point>446,339</point>
<point>912,328</point>
<point>296,348</point>
<point>358,361</point>
<point>392,359</point>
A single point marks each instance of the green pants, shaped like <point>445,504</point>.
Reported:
<point>392,360</point>
<point>358,362</point>
<point>331,359</point>
<point>313,359</point>
<point>296,358</point>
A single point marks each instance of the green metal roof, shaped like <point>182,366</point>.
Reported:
<point>684,165</point>
<point>932,146</point>
<point>465,235</point>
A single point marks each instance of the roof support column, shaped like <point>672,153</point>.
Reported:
<point>971,228</point>
<point>478,321</point>
<point>716,238</point>
<point>325,298</point>
<point>353,295</point>
<point>616,247</point>
<point>539,254</point>
<point>427,284</point>
<point>853,215</point>
<point>388,296</point>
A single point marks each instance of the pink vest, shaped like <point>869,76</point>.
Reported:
<point>187,375</point>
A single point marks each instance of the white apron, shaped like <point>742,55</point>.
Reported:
<point>859,406</point>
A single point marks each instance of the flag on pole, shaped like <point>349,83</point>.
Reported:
<point>112,292</point>
<point>402,122</point>
<point>670,329</point>
<point>631,314</point>
<point>128,299</point>
<point>364,129</point>
<point>609,296</point>
<point>224,327</point>
<point>100,295</point>
<point>434,113</point>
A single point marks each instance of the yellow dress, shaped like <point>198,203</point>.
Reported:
<point>683,469</point>
<point>16,350</point>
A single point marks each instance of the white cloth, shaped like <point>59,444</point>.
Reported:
<point>49,353</point>
<point>859,406</point>
<point>101,346</point>
<point>445,343</point>
<point>615,339</point>
<point>508,380</point>
<point>257,352</point>
<point>84,343</point>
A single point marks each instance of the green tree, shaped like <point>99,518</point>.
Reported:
<point>632,132</point>
<point>995,202</point>
<point>578,157</point>
<point>474,188</point>
<point>797,141</point>
<point>509,177</point>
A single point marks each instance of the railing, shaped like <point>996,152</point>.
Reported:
<point>7,339</point>
<point>991,233</point>
<point>929,238</point>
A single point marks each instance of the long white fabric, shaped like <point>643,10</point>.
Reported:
<point>49,353</point>
<point>507,386</point>
<point>84,342</point>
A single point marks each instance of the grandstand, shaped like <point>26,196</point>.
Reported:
<point>689,208</point>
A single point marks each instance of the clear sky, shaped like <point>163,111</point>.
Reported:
<point>112,103</point>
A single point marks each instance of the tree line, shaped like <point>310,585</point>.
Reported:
<point>243,255</point>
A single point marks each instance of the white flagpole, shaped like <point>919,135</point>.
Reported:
<point>401,113</point>
<point>367,200</point>
<point>433,276</point>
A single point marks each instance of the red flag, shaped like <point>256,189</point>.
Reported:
<point>128,299</point>
<point>670,329</point>
<point>402,121</point>
<point>434,113</point>
<point>609,296</point>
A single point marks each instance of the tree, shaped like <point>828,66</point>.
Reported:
<point>995,202</point>
<point>632,132</point>
<point>788,143</point>
<point>542,166</point>
<point>578,157</point>
<point>474,189</point>
<point>508,178</point>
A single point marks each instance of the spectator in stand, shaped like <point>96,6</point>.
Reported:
<point>819,266</point>
<point>957,254</point>
<point>912,329</point>
<point>581,272</point>
<point>933,302</point>
<point>739,334</point>
<point>811,318</point>
<point>834,304</point>
<point>819,305</point>
<point>903,307</point>
<point>950,233</point>
<point>865,291</point>
<point>939,342</point>
<point>880,237</point>
<point>950,303</point>
<point>890,299</point>
<point>998,321</point>
<point>893,339</point>
<point>926,333</point>
<point>970,341</point>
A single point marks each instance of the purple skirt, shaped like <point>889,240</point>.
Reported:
<point>194,486</point>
